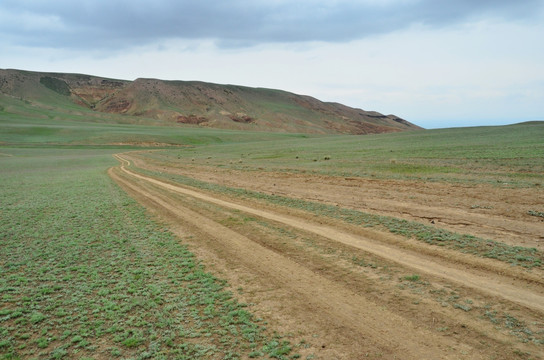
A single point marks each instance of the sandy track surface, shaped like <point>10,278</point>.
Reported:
<point>347,312</point>
<point>482,210</point>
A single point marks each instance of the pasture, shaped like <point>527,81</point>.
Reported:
<point>217,244</point>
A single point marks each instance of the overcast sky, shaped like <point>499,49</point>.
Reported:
<point>437,63</point>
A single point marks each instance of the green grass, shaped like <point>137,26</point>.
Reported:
<point>414,278</point>
<point>35,124</point>
<point>84,272</point>
<point>503,156</point>
<point>536,213</point>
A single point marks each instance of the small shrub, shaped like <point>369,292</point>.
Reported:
<point>132,342</point>
<point>413,278</point>
<point>462,307</point>
<point>536,213</point>
<point>36,317</point>
<point>59,353</point>
<point>42,343</point>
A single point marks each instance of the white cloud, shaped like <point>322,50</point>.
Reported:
<point>123,24</point>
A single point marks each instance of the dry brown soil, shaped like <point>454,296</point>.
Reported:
<point>341,291</point>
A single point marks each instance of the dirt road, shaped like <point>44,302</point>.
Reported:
<point>306,275</point>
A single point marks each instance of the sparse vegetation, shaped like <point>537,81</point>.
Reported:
<point>515,255</point>
<point>83,271</point>
<point>507,156</point>
<point>413,278</point>
<point>536,213</point>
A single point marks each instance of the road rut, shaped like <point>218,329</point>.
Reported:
<point>354,322</point>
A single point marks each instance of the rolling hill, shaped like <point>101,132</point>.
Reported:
<point>196,103</point>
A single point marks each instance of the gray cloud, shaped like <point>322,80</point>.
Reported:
<point>125,23</point>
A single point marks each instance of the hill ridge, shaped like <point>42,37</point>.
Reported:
<point>201,103</point>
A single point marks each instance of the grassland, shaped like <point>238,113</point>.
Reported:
<point>85,272</point>
<point>506,155</point>
<point>65,124</point>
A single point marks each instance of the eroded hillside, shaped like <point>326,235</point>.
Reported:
<point>199,103</point>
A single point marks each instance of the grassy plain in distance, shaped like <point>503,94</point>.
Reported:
<point>504,155</point>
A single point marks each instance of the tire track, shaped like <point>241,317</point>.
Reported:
<point>478,280</point>
<point>354,321</point>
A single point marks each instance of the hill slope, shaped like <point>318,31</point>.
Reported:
<point>199,103</point>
